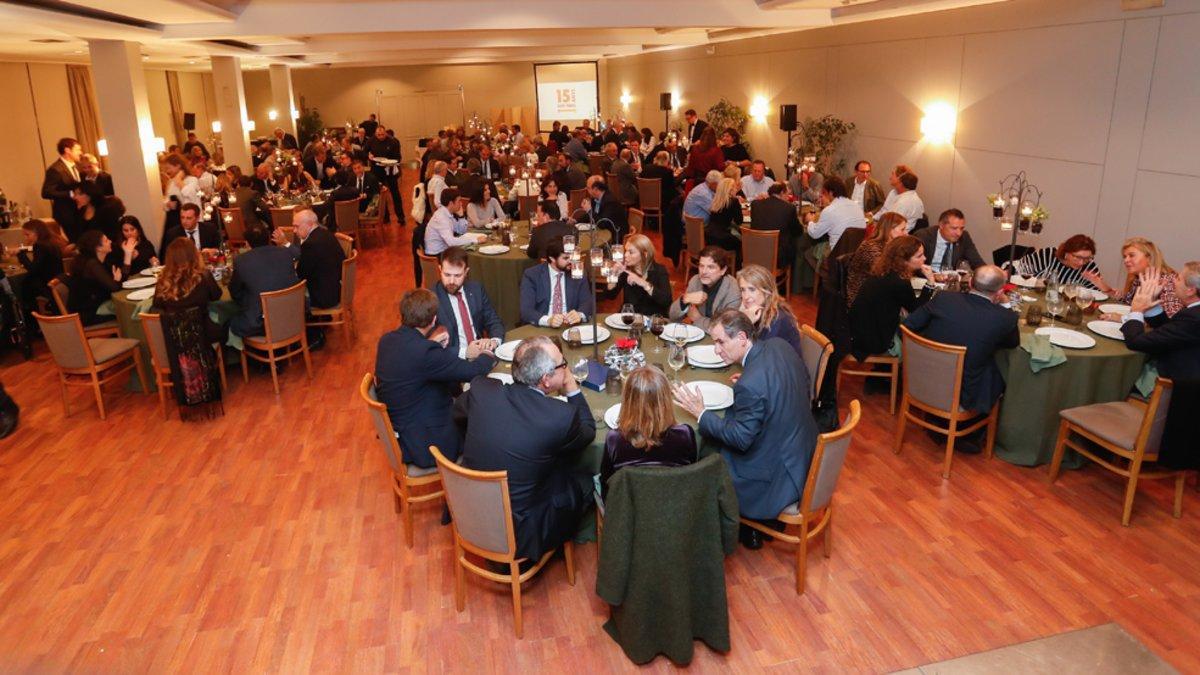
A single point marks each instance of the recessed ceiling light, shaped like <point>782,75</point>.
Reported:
<point>191,63</point>
<point>77,51</point>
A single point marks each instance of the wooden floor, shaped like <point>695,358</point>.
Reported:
<point>266,541</point>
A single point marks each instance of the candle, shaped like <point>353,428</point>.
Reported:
<point>618,255</point>
<point>605,269</point>
<point>576,271</point>
<point>1006,225</point>
<point>228,219</point>
<point>232,199</point>
<point>597,256</point>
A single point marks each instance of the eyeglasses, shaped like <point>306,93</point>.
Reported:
<point>1082,259</point>
<point>561,365</point>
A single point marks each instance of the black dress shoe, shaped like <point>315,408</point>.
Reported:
<point>8,421</point>
<point>750,537</point>
<point>317,343</point>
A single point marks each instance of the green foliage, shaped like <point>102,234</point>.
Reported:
<point>308,126</point>
<point>725,115</point>
<point>825,138</point>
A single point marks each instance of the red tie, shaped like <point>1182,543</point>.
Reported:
<point>465,317</point>
<point>556,302</point>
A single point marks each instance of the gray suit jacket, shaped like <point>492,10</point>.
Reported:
<point>727,296</point>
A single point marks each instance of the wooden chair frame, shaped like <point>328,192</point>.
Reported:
<point>95,374</point>
<point>953,417</point>
<point>429,269</point>
<point>826,352</point>
<point>782,275</point>
<point>893,372</point>
<point>235,229</point>
<point>345,241</point>
<point>343,314</point>
<point>691,254</point>
<point>281,218</point>
<point>637,223</point>
<point>103,330</point>
<point>374,224</point>
<point>347,229</point>
<point>269,345</point>
<point>650,200</point>
<point>574,202</point>
<point>811,523</point>
<point>461,547</point>
<point>1135,458</point>
<point>162,371</point>
<point>403,485</point>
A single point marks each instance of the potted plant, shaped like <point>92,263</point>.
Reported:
<point>826,138</point>
<point>725,115</point>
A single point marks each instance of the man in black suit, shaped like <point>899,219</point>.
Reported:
<point>767,438</point>
<point>550,296</point>
<point>949,243</point>
<point>319,258</point>
<point>61,178</point>
<point>262,269</point>
<point>605,210</point>
<point>417,377</point>
<point>1174,343</point>
<point>776,213</point>
<point>284,140</point>
<point>193,142</point>
<point>90,172</point>
<point>359,184</point>
<point>369,125</point>
<point>264,182</point>
<point>696,126</point>
<point>383,146</point>
<point>206,236</point>
<point>973,320</point>
<point>489,166</point>
<point>464,309</point>
<point>548,226</point>
<point>520,429</point>
<point>322,168</point>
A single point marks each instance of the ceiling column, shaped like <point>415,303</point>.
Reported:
<point>231,111</point>
<point>281,98</point>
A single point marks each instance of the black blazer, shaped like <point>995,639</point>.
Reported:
<point>666,182</point>
<point>677,447</point>
<point>104,181</point>
<point>210,237</point>
<point>259,270</point>
<point>610,214</point>
<point>695,132</point>
<point>644,303</point>
<point>983,327</point>
<point>326,181</point>
<point>416,380</point>
<point>89,289</point>
<point>41,265</point>
<point>773,213</point>
<point>287,143</point>
<point>483,316</point>
<point>963,248</point>
<point>57,186</point>
<point>320,264</point>
<point>1174,343</point>
<point>145,251</point>
<point>875,314</point>
<point>536,294</point>
<point>544,234</point>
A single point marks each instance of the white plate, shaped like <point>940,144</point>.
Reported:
<point>918,283</point>
<point>704,356</point>
<point>1114,309</point>
<point>139,282</point>
<point>151,271</point>
<point>585,333</point>
<point>716,396</point>
<point>1097,296</point>
<point>612,416</point>
<point>506,351</point>
<point>384,161</point>
<point>1065,337</point>
<point>493,249</point>
<point>614,321</point>
<point>503,377</point>
<point>1024,282</point>
<point>1109,329</point>
<point>671,330</point>
<point>524,247</point>
<point>585,227</point>
<point>141,294</point>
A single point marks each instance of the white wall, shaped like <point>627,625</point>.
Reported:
<point>1099,106</point>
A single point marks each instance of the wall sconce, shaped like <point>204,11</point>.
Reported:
<point>295,114</point>
<point>159,144</point>
<point>216,126</point>
<point>937,126</point>
<point>249,124</point>
<point>102,147</point>
<point>758,108</point>
<point>626,99</point>
<point>272,115</point>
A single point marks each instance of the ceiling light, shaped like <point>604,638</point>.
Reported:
<point>216,126</point>
<point>938,124</point>
<point>249,124</point>
<point>272,115</point>
<point>191,63</point>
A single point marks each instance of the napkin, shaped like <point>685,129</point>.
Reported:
<point>1146,381</point>
<point>1042,354</point>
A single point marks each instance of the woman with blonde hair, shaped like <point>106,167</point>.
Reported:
<point>645,282</point>
<point>890,226</point>
<point>184,283</point>
<point>647,433</point>
<point>1143,260</point>
<point>725,218</point>
<point>772,316</point>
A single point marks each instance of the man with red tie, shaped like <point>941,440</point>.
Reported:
<point>464,310</point>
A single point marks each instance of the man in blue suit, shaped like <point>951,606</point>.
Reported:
<point>416,377</point>
<point>464,309</point>
<point>550,296</point>
<point>262,269</point>
<point>769,434</point>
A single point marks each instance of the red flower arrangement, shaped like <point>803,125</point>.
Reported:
<point>626,343</point>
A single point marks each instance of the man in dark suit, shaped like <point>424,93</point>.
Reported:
<point>383,146</point>
<point>550,296</point>
<point>489,166</point>
<point>61,178</point>
<point>358,184</point>
<point>548,226</point>
<point>520,429</point>
<point>972,320</point>
<point>89,172</point>
<point>369,125</point>
<point>193,142</point>
<point>464,309</point>
<point>949,243</point>
<point>1174,343</point>
<point>863,189</point>
<point>417,377</point>
<point>284,140</point>
<point>605,210</point>
<point>322,168</point>
<point>769,434</point>
<point>626,189</point>
<point>319,262</point>
<point>205,235</point>
<point>262,269</point>
<point>696,126</point>
<point>776,213</point>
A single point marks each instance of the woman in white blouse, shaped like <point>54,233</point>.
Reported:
<point>484,208</point>
<point>550,192</point>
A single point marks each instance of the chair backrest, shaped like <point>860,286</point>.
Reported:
<point>650,194</point>
<point>346,242</point>
<point>281,217</point>
<point>152,327</point>
<point>345,214</point>
<point>932,371</point>
<point>611,179</point>
<point>283,313</point>
<point>235,224</point>
<point>815,349</point>
<point>526,206</point>
<point>429,269</point>
<point>574,199</point>
<point>595,165</point>
<point>760,247</point>
<point>479,505</point>
<point>349,276</point>
<point>828,459</point>
<point>1154,422</point>
<point>64,336</point>
<point>636,220</point>
<point>693,229</point>
<point>12,237</point>
<point>383,425</point>
<point>61,294</point>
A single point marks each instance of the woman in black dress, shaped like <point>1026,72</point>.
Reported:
<point>92,282</point>
<point>645,283</point>
<point>42,259</point>
<point>135,253</point>
<point>647,433</point>
<point>96,211</point>
<point>184,283</point>
<point>875,314</point>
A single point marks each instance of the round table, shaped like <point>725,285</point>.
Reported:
<point>1029,419</point>
<point>501,274</point>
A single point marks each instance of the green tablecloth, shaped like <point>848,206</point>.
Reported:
<point>501,274</point>
<point>1028,424</point>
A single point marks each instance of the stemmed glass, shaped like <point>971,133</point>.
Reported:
<point>1055,306</point>
<point>657,324</point>
<point>676,358</point>
<point>579,370</point>
<point>568,243</point>
<point>627,314</point>
<point>1083,299</point>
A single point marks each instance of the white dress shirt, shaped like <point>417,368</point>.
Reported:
<point>859,189</point>
<point>554,279</point>
<point>939,252</point>
<point>841,215</point>
<point>908,204</point>
<point>435,187</point>
<point>445,230</point>
<point>458,322</point>
<point>753,188</point>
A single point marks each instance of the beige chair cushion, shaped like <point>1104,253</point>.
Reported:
<point>107,349</point>
<point>415,471</point>
<point>1117,422</point>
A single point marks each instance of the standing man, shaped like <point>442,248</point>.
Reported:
<point>62,177</point>
<point>90,172</point>
<point>369,125</point>
<point>696,126</point>
<point>382,146</point>
<point>284,140</point>
<point>464,310</point>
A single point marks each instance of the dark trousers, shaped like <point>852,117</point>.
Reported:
<point>418,241</point>
<point>6,402</point>
<point>547,525</point>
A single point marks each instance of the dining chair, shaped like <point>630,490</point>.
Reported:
<point>88,362</point>
<point>761,247</point>
<point>281,218</point>
<point>932,385</point>
<point>62,299</point>
<point>411,484</point>
<point>813,514</point>
<point>693,229</point>
<point>283,321</point>
<point>429,270</point>
<point>851,365</point>
<point>343,312</point>
<point>482,525</point>
<point>526,206</point>
<point>234,222</point>
<point>1131,431</point>
<point>815,350</point>
<point>637,222</point>
<point>160,363</point>
<point>346,242</point>
<point>574,202</point>
<point>595,165</point>
<point>373,223</point>
<point>650,199</point>
<point>345,216</point>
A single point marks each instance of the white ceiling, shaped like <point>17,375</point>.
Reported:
<point>321,33</point>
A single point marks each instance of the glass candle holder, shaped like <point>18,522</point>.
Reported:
<point>576,271</point>
<point>1006,224</point>
<point>618,255</point>
<point>597,255</point>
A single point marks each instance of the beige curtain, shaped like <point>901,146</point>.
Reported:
<point>83,107</point>
<point>176,106</point>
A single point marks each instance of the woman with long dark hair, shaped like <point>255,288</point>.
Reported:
<point>185,282</point>
<point>92,282</point>
<point>181,299</point>
<point>875,314</point>
<point>135,253</point>
<point>42,259</point>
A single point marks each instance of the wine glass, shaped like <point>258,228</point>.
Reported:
<point>1055,306</point>
<point>627,314</point>
<point>1083,299</point>
<point>676,358</point>
<point>579,370</point>
<point>657,324</point>
<point>1071,291</point>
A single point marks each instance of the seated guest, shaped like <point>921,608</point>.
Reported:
<point>550,296</point>
<point>704,156</point>
<point>863,259</point>
<point>778,214</point>
<point>875,314</point>
<point>757,183</point>
<point>359,184</point>
<point>1141,256</point>
<point>645,283</point>
<point>568,176</point>
<point>647,433</point>
<point>699,199</point>
<point>973,320</point>
<point>626,188</point>
<point>489,166</point>
<point>903,198</point>
<point>760,301</point>
<point>448,226</point>
<point>1072,262</point>
<point>484,208</point>
<point>262,269</point>
<point>135,253</point>
<point>318,258</point>
<point>97,211</point>
<point>806,184</point>
<point>724,218</point>
<point>185,283</point>
<point>1174,343</point>
<point>864,189</point>
<point>437,181</point>
<point>417,377</point>
<point>709,292</point>
<point>521,429</point>
<point>204,235</point>
<point>735,153</point>
<point>767,438</point>
<point>839,213</point>
<point>576,149</point>
<point>91,282</point>
<point>605,211</point>
<point>948,244</point>
<point>551,193</point>
<point>548,226</point>
<point>42,262</point>
<point>322,168</point>
<point>464,309</point>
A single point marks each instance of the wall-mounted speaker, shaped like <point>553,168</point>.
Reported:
<point>664,101</point>
<point>787,117</point>
<point>189,121</point>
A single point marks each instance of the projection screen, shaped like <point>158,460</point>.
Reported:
<point>566,92</point>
